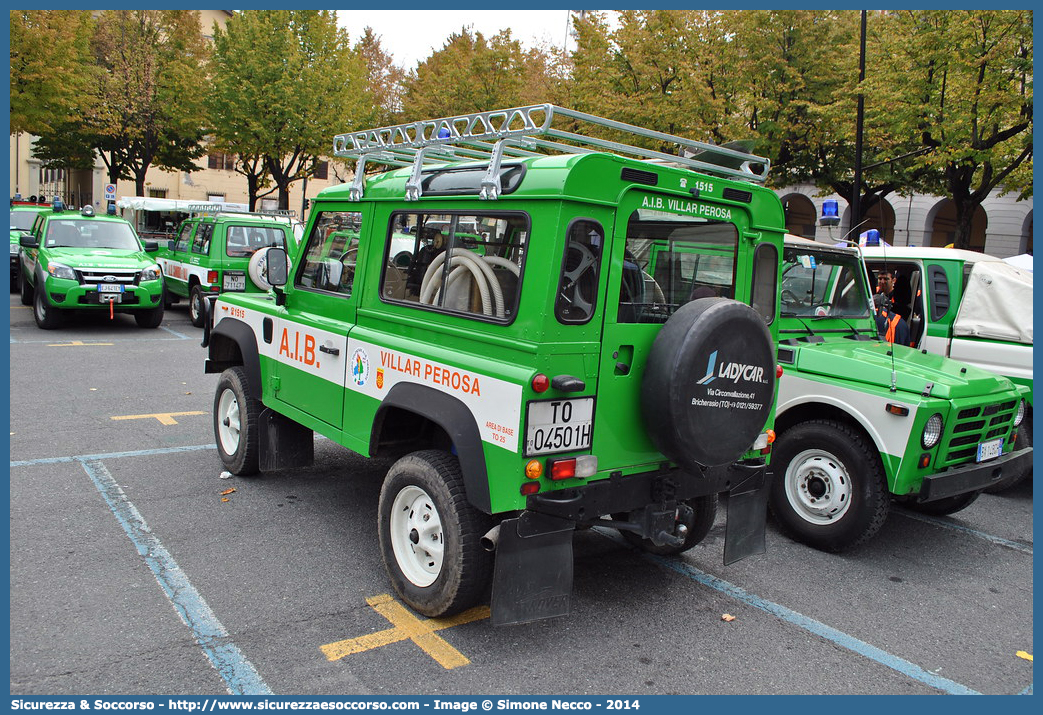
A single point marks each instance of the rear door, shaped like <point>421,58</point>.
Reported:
<point>663,254</point>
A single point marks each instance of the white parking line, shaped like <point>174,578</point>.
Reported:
<point>935,521</point>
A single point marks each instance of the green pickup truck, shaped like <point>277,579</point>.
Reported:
<point>78,260</point>
<point>862,422</point>
<point>525,334</point>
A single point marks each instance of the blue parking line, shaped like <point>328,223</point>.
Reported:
<point>110,455</point>
<point>1023,548</point>
<point>240,677</point>
<point>809,624</point>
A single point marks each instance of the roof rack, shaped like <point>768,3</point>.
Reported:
<point>525,132</point>
<point>214,209</point>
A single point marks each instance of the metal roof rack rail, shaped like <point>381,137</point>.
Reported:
<point>488,137</point>
<point>215,209</point>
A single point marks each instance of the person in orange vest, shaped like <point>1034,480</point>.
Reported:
<point>889,324</point>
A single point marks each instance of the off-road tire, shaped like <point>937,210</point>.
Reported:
<point>835,465</point>
<point>149,318</point>
<point>25,290</point>
<point>195,306</point>
<point>1013,478</point>
<point>948,505</point>
<point>236,424</point>
<point>424,491</point>
<point>46,315</point>
<point>704,510</point>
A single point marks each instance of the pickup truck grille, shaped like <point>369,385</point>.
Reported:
<point>126,276</point>
<point>973,425</point>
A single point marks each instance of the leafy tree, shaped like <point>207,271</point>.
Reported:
<point>49,67</point>
<point>472,74</point>
<point>284,83</point>
<point>145,108</point>
<point>960,81</point>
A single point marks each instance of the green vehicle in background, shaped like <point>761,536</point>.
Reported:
<point>23,213</point>
<point>78,260</point>
<point>487,315</point>
<point>862,422</point>
<point>217,251</point>
<point>968,306</point>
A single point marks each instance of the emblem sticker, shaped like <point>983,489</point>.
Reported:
<point>359,367</point>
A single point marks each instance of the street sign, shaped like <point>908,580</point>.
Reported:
<point>110,191</point>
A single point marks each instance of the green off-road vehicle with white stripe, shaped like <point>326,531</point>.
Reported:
<point>515,314</point>
<point>862,422</point>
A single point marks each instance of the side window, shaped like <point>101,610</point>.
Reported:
<point>578,287</point>
<point>331,253</point>
<point>201,244</point>
<point>243,241</point>
<point>184,237</point>
<point>671,260</point>
<point>765,281</point>
<point>457,263</point>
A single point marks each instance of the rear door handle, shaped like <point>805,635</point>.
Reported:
<point>329,350</point>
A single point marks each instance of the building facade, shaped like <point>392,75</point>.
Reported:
<point>1001,227</point>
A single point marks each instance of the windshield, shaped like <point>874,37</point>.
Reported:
<point>822,284</point>
<point>78,233</point>
<point>22,220</point>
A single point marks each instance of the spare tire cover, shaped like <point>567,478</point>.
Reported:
<point>709,383</point>
<point>258,268</point>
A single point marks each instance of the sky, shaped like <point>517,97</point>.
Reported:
<point>412,35</point>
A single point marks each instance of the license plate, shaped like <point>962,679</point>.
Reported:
<point>234,281</point>
<point>559,426</point>
<point>989,450</point>
<point>110,287</point>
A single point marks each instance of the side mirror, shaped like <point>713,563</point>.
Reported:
<point>171,244</point>
<point>151,246</point>
<point>278,266</point>
<point>28,240</point>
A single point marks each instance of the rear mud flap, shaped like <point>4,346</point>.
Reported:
<point>747,514</point>
<point>284,443</point>
<point>533,572</point>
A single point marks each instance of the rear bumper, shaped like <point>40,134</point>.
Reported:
<point>972,477</point>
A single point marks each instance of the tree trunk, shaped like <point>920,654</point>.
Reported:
<point>964,223</point>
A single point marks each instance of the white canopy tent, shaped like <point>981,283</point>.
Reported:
<point>997,303</point>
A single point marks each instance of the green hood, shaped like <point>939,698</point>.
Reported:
<point>100,258</point>
<point>868,362</point>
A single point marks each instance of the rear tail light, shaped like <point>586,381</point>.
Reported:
<point>540,383</point>
<point>530,488</point>
<point>211,277</point>
<point>585,466</point>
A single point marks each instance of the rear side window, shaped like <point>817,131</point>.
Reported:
<point>765,281</point>
<point>578,287</point>
<point>468,264</point>
<point>243,241</point>
<point>670,261</point>
<point>331,253</point>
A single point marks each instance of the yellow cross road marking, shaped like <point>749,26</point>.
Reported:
<point>408,627</point>
<point>1023,654</point>
<point>165,418</point>
<point>74,344</point>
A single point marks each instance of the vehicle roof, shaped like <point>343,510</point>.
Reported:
<point>548,176</point>
<point>77,215</point>
<point>942,254</point>
<point>280,221</point>
<point>800,242</point>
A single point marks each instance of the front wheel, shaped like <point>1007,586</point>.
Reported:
<point>25,290</point>
<point>150,318</point>
<point>47,316</point>
<point>828,486</point>
<point>429,535</point>
<point>704,513</point>
<point>236,422</point>
<point>195,306</point>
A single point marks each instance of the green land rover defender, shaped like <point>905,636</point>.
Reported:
<point>550,319</point>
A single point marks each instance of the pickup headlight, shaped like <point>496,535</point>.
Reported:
<point>932,431</point>
<point>150,274</point>
<point>60,270</point>
<point>14,249</point>
<point>1020,413</point>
